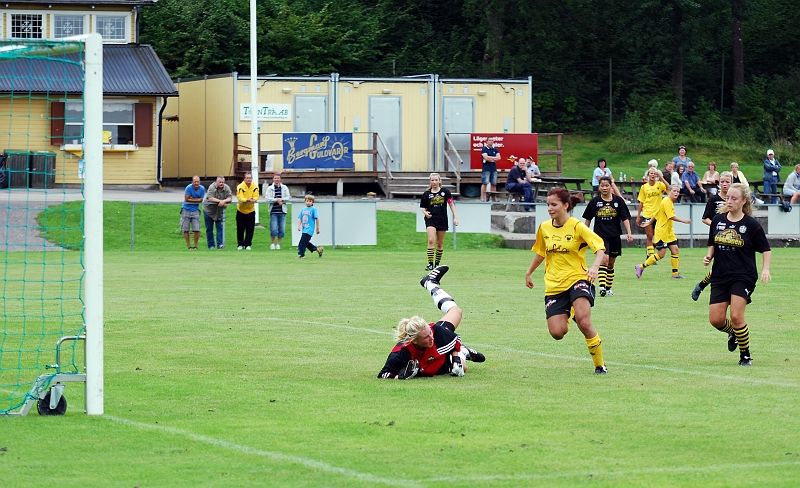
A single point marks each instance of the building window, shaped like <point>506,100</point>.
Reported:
<point>117,123</point>
<point>67,25</point>
<point>26,26</point>
<point>112,28</point>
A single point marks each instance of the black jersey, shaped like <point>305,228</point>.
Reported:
<point>608,215</point>
<point>436,203</point>
<point>712,207</point>
<point>432,361</point>
<point>735,246</point>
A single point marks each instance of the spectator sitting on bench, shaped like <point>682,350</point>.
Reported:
<point>791,187</point>
<point>533,169</point>
<point>520,182</point>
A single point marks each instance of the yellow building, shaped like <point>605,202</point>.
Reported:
<point>404,119</point>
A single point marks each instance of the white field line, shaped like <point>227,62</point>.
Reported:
<point>595,474</point>
<point>309,463</point>
<point>570,358</point>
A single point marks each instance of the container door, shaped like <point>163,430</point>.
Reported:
<point>310,114</point>
<point>459,123</point>
<point>385,119</point>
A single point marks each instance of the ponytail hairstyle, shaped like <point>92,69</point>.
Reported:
<point>408,330</point>
<point>564,196</point>
<point>430,187</point>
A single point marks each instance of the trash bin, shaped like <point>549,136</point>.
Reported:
<point>42,169</point>
<point>17,169</point>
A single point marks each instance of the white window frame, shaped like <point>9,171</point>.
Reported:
<point>65,13</point>
<point>11,13</point>
<point>106,147</point>
<point>128,18</point>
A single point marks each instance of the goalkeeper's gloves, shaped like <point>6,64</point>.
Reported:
<point>411,370</point>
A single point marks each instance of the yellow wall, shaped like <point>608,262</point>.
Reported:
<point>192,129</point>
<point>219,126</point>
<point>495,105</point>
<point>27,130</point>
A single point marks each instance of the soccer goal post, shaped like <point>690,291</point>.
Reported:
<point>51,222</point>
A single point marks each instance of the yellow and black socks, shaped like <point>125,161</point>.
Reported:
<point>727,328</point>
<point>602,272</point>
<point>674,261</point>
<point>438,257</point>
<point>650,250</point>
<point>653,259</point>
<point>743,338</point>
<point>595,346</point>
<point>609,277</point>
<point>430,256</point>
<point>705,281</point>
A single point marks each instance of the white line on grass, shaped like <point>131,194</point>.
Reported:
<point>309,463</point>
<point>571,358</point>
<point>582,474</point>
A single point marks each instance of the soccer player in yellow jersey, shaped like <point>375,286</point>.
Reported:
<point>664,235</point>
<point>650,195</point>
<point>561,243</point>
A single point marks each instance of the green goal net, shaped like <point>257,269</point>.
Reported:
<point>44,141</point>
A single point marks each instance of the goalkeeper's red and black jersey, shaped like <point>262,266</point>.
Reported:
<point>432,361</point>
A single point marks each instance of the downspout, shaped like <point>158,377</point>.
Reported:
<point>138,11</point>
<point>158,151</point>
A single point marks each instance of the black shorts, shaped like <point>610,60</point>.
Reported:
<point>646,220</point>
<point>437,224</point>
<point>722,292</point>
<point>447,325</point>
<point>613,246</point>
<point>664,245</point>
<point>561,303</point>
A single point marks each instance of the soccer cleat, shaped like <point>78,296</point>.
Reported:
<point>411,370</point>
<point>221,246</point>
<point>602,291</point>
<point>239,248</point>
<point>609,293</point>
<point>601,370</point>
<point>746,361</point>
<point>272,247</point>
<point>473,355</point>
<point>639,271</point>
<point>677,277</point>
<point>434,275</point>
<point>732,343</point>
<point>696,292</point>
<point>319,251</point>
<point>458,368</point>
<point>429,267</point>
<point>248,248</point>
<point>301,257</point>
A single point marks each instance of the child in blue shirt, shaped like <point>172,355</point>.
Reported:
<point>307,222</point>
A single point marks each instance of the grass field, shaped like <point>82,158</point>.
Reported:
<point>232,369</point>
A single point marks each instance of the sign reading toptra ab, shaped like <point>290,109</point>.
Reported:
<point>267,111</point>
<point>519,145</point>
<point>312,150</point>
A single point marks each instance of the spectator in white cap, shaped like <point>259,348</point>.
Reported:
<point>772,175</point>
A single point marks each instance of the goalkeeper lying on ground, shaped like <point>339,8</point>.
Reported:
<point>429,349</point>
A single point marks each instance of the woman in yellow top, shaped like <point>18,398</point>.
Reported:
<point>664,234</point>
<point>649,200</point>
<point>561,243</point>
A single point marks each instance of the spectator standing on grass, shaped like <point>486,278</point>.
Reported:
<point>247,194</point>
<point>218,197</point>
<point>650,195</point>
<point>428,349</point>
<point>692,186</point>
<point>490,155</point>
<point>711,178</point>
<point>277,196</point>
<point>772,175</point>
<point>190,210</point>
<point>600,171</point>
<point>434,202</point>
<point>713,206</point>
<point>664,235</point>
<point>791,188</point>
<point>519,181</point>
<point>681,159</point>
<point>568,286</point>
<point>609,211</point>
<point>307,222</point>
<point>733,240</point>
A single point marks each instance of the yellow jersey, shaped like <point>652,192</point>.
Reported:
<point>244,193</point>
<point>650,197</point>
<point>664,231</point>
<point>564,251</point>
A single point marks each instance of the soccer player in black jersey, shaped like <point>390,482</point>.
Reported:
<point>733,240</point>
<point>609,211</point>
<point>434,208</point>
<point>426,349</point>
<point>712,208</point>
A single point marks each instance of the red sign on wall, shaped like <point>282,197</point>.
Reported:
<point>518,145</point>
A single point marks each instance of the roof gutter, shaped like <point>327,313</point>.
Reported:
<point>158,150</point>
